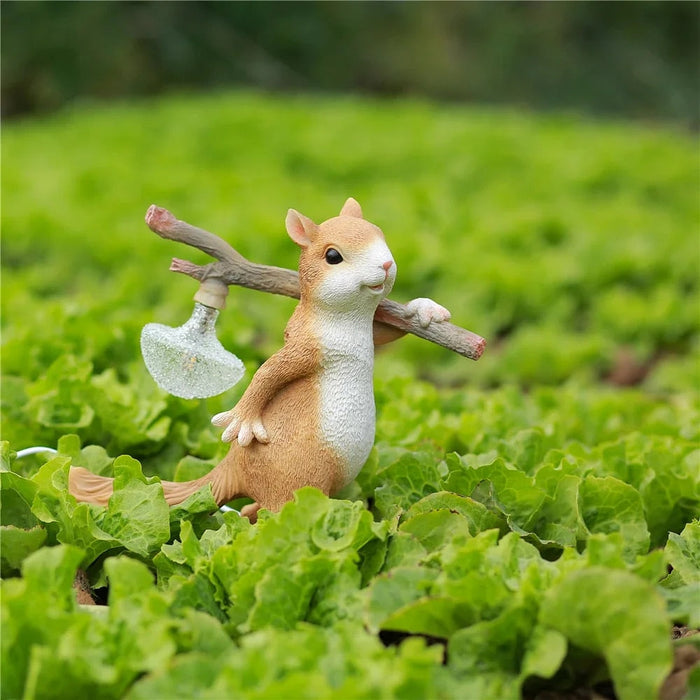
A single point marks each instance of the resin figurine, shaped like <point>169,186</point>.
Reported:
<point>308,416</point>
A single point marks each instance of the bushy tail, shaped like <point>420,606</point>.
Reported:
<point>91,488</point>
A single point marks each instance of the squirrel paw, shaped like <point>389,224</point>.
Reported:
<point>427,311</point>
<point>244,429</point>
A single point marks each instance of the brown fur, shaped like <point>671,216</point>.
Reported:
<point>283,395</point>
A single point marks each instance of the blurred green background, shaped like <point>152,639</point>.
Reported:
<point>633,59</point>
<point>535,168</point>
<point>568,239</point>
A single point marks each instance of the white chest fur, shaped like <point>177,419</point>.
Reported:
<point>346,388</point>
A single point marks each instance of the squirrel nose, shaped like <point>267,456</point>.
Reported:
<point>387,265</point>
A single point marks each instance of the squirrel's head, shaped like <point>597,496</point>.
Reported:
<point>345,262</point>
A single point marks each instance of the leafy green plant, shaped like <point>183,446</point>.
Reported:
<point>523,524</point>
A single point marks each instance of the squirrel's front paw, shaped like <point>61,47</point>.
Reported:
<point>245,429</point>
<point>427,311</point>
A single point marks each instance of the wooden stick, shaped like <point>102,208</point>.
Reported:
<point>233,268</point>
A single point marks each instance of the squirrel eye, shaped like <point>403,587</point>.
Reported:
<point>333,257</point>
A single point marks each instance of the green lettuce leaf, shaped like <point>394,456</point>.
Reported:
<point>618,616</point>
<point>17,544</point>
<point>488,654</point>
<point>343,662</point>
<point>318,539</point>
<point>683,553</point>
<point>410,478</point>
<point>609,505</point>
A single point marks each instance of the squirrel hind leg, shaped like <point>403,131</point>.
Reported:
<point>251,512</point>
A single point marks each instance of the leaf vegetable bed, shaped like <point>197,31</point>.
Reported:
<point>526,525</point>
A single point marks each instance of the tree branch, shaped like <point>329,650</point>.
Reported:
<point>233,268</point>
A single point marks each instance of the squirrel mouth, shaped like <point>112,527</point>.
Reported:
<point>376,287</point>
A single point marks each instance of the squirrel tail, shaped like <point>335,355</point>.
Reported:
<point>91,488</point>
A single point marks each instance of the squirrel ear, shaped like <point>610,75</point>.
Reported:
<point>351,208</point>
<point>300,228</point>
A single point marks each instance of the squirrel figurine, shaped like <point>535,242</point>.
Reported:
<point>308,416</point>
